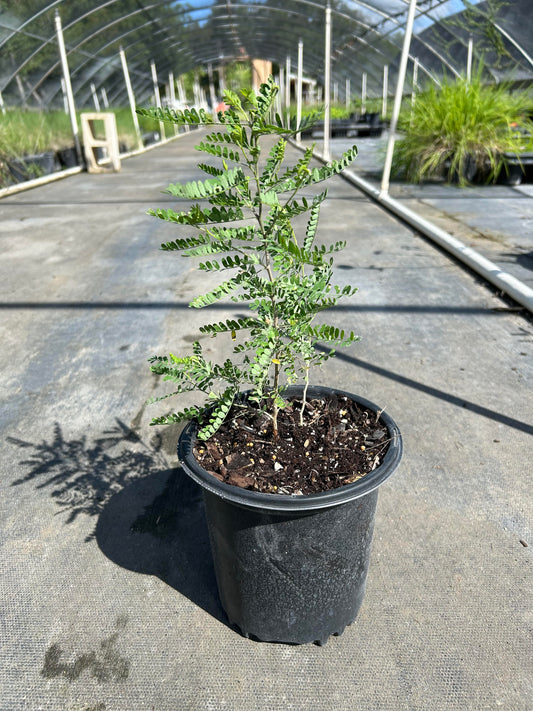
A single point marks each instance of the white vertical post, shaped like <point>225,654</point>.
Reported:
<point>104,97</point>
<point>68,86</point>
<point>279,81</point>
<point>299,87</point>
<point>2,105</point>
<point>212,96</point>
<point>281,94</point>
<point>95,98</point>
<point>157,97</point>
<point>348,92</point>
<point>385,91</point>
<point>196,91</point>
<point>65,98</point>
<point>221,78</point>
<point>288,88</point>
<point>172,97</point>
<point>181,91</point>
<point>415,82</point>
<point>131,98</point>
<point>327,84</point>
<point>469,59</point>
<point>171,90</point>
<point>335,92</point>
<point>183,100</point>
<point>363,93</point>
<point>398,97</point>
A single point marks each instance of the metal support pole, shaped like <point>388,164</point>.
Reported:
<point>288,89</point>
<point>104,97</point>
<point>469,59</point>
<point>221,78</point>
<point>327,85</point>
<point>65,98</point>
<point>131,98</point>
<point>182,99</point>
<point>196,91</point>
<point>95,98</point>
<point>2,105</point>
<point>68,86</point>
<point>385,91</point>
<point>157,96</point>
<point>172,97</point>
<point>212,96</point>
<point>363,93</point>
<point>398,97</point>
<point>299,87</point>
<point>171,90</point>
<point>278,80</point>
<point>348,93</point>
<point>415,83</point>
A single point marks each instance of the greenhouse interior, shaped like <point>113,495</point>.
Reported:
<point>59,59</point>
<point>287,210</point>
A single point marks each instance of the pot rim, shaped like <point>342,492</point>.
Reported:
<point>296,502</point>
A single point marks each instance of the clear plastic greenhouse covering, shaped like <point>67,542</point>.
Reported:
<point>175,37</point>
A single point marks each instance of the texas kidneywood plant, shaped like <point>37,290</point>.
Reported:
<point>285,280</point>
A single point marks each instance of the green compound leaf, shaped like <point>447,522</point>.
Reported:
<point>189,117</point>
<point>197,190</point>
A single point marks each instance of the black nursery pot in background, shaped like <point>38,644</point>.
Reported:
<point>292,568</point>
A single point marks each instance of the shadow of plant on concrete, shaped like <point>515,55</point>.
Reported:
<point>82,476</point>
<point>150,517</point>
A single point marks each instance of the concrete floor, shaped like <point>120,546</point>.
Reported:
<point>495,220</point>
<point>108,598</point>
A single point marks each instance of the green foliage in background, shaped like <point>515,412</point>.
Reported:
<point>28,132</point>
<point>246,233</point>
<point>459,125</point>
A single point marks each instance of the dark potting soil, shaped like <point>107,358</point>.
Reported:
<point>338,443</point>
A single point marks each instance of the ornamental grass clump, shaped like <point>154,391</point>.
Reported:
<point>463,127</point>
<point>243,228</point>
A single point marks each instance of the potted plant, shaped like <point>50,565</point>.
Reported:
<point>462,131</point>
<point>289,472</point>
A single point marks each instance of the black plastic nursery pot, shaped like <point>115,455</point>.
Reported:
<point>292,568</point>
<point>33,166</point>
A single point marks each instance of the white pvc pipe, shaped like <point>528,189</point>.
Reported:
<point>398,97</point>
<point>68,86</point>
<point>131,97</point>
<point>504,281</point>
<point>104,97</point>
<point>2,105</point>
<point>299,87</point>
<point>327,85</point>
<point>363,93</point>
